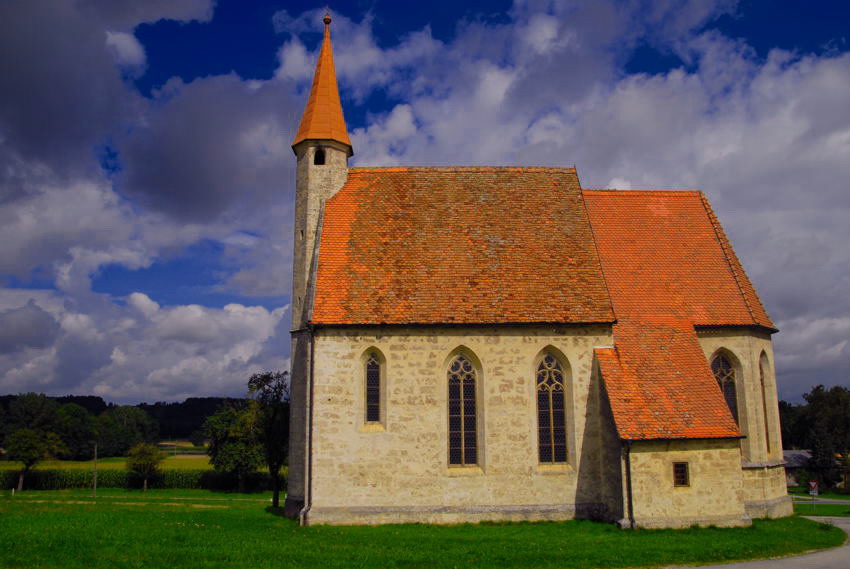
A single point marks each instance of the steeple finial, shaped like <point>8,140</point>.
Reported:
<point>323,118</point>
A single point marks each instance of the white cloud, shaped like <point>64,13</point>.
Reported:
<point>126,49</point>
<point>767,139</point>
<point>295,63</point>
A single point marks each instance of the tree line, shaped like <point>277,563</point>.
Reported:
<point>80,421</point>
<point>822,426</point>
<point>244,434</point>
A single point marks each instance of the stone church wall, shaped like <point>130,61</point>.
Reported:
<point>398,471</point>
<point>764,489</point>
<point>712,496</point>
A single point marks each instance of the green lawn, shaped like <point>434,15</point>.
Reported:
<point>198,529</point>
<point>824,495</point>
<point>172,462</point>
<point>806,509</point>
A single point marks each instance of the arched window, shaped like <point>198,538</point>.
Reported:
<point>373,388</point>
<point>724,373</point>
<point>463,431</point>
<point>551,425</point>
<point>762,374</point>
<point>319,157</point>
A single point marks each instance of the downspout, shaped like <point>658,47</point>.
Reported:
<point>627,452</point>
<point>308,482</point>
<point>308,308</point>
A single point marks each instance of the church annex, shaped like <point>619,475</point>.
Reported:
<point>495,343</point>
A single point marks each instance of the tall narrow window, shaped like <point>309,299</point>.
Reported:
<point>552,439</point>
<point>463,432</point>
<point>373,389</point>
<point>724,373</point>
<point>762,373</point>
<point>319,157</point>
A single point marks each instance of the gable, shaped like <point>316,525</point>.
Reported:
<point>664,251</point>
<point>669,267</point>
<point>458,246</point>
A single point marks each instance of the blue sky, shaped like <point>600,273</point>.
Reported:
<point>147,180</point>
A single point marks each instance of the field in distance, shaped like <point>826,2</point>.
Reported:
<point>172,462</point>
<point>195,528</point>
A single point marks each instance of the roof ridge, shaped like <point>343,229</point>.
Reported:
<point>734,263</point>
<point>642,192</point>
<point>355,169</point>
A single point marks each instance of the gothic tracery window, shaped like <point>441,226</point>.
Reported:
<point>551,424</point>
<point>724,373</point>
<point>463,431</point>
<point>373,389</point>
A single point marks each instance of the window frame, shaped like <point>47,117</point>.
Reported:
<point>462,407</point>
<point>729,377</point>
<point>560,367</point>
<point>681,479</point>
<point>372,358</point>
<point>363,423</point>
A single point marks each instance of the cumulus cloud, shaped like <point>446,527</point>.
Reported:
<point>26,327</point>
<point>126,49</point>
<point>768,139</point>
<point>139,350</point>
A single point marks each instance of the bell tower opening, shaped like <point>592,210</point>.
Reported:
<point>319,157</point>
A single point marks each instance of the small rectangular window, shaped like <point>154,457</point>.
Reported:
<point>680,474</point>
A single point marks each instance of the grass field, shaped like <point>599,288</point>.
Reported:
<point>823,495</point>
<point>199,529</point>
<point>114,463</point>
<point>806,509</point>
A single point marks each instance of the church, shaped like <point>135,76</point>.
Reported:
<point>499,343</point>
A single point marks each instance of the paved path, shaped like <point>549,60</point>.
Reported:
<point>837,558</point>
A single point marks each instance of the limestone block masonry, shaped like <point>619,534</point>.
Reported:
<point>751,352</point>
<point>315,183</point>
<point>713,494</point>
<point>399,471</point>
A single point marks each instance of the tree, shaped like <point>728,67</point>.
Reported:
<point>123,427</point>
<point>832,408</point>
<point>3,426</point>
<point>33,411</point>
<point>234,446</point>
<point>198,437</point>
<point>77,428</point>
<point>270,391</point>
<point>144,460</point>
<point>29,446</point>
<point>822,461</point>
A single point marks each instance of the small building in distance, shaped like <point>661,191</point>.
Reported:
<point>499,343</point>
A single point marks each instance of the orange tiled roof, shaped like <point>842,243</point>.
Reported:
<point>458,245</point>
<point>669,267</point>
<point>323,118</point>
<point>665,251</point>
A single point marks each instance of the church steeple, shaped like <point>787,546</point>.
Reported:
<point>323,118</point>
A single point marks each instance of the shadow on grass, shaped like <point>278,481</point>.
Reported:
<point>275,511</point>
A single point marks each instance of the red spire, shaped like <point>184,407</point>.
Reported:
<point>322,118</point>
